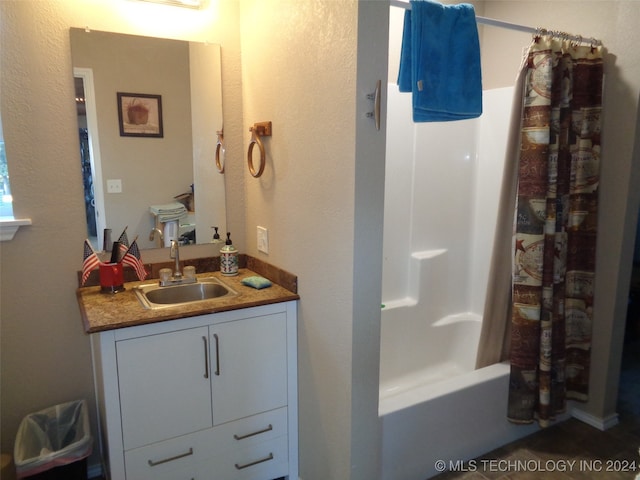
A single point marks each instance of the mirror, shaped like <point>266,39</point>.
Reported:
<point>148,113</point>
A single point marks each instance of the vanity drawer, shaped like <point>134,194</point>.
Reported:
<point>259,461</point>
<point>247,431</point>
<point>173,459</point>
<point>257,445</point>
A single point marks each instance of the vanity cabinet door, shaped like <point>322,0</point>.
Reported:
<point>164,385</point>
<point>249,363</point>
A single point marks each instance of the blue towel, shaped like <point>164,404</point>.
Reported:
<point>440,61</point>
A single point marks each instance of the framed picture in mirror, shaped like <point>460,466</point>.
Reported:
<point>140,115</point>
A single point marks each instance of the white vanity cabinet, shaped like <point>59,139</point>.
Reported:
<point>204,398</point>
<point>164,388</point>
<point>249,367</point>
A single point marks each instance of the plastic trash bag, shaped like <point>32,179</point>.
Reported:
<point>52,437</point>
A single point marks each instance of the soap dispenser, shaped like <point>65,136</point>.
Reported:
<point>229,258</point>
<point>216,236</point>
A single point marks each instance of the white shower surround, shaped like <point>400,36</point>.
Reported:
<point>443,197</point>
<point>440,215</point>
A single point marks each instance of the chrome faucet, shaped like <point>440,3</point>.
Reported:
<point>175,253</point>
<point>152,235</point>
<point>177,277</point>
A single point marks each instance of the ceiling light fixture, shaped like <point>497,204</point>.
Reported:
<point>194,4</point>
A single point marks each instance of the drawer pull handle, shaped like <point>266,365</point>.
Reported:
<point>206,357</point>
<point>217,339</point>
<point>251,464</point>
<point>264,430</point>
<point>170,459</point>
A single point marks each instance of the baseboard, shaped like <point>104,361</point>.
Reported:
<point>597,422</point>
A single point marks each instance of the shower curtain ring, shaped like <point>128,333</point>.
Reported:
<point>538,33</point>
<point>258,130</point>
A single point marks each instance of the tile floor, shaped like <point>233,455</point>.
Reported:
<point>572,449</point>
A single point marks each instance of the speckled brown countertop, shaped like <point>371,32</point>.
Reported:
<point>102,311</point>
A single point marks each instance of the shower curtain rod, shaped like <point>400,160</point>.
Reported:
<point>514,26</point>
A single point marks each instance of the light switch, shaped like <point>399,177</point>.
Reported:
<point>114,186</point>
<point>263,240</point>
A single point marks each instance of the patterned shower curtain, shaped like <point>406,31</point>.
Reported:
<point>555,229</point>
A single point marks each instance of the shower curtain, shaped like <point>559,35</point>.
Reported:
<point>554,232</point>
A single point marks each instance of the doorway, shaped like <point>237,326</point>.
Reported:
<point>629,386</point>
<point>90,155</point>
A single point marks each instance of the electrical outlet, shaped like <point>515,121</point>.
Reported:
<point>114,186</point>
<point>263,240</point>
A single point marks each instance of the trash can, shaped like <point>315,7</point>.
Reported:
<point>53,444</point>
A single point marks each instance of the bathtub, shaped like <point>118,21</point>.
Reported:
<point>433,405</point>
<point>442,186</point>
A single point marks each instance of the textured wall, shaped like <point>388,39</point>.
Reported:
<point>45,356</point>
<point>298,61</point>
<point>301,60</point>
<point>307,67</point>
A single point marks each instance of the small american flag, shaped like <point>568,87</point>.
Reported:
<point>132,258</point>
<point>123,242</point>
<point>89,262</point>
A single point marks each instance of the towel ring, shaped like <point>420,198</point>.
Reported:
<point>258,130</point>
<point>220,148</point>
<point>255,138</point>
